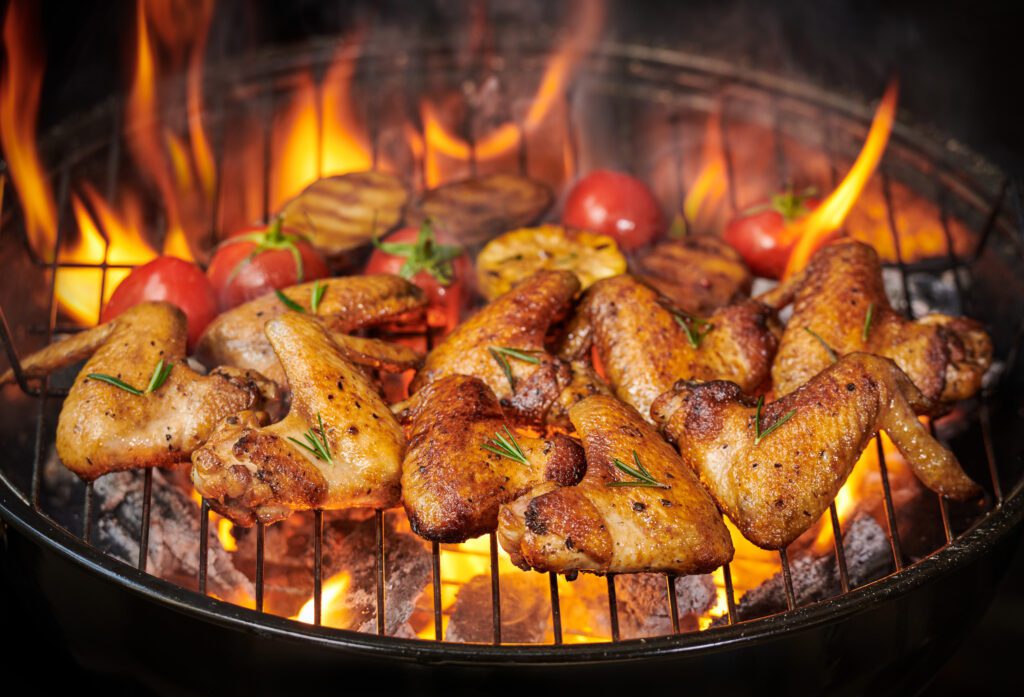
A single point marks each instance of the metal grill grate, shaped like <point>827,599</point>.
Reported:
<point>959,268</point>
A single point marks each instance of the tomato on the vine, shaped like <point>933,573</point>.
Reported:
<point>441,270</point>
<point>259,259</point>
<point>615,204</point>
<point>172,280</point>
<point>758,233</point>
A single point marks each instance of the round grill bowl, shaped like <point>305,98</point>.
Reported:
<point>886,637</point>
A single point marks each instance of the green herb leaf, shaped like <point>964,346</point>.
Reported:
<point>161,372</point>
<point>103,377</point>
<point>499,354</point>
<point>760,435</point>
<point>317,446</point>
<point>506,446</point>
<point>831,351</point>
<point>288,302</point>
<point>318,294</point>
<point>867,322</point>
<point>695,327</point>
<point>639,473</point>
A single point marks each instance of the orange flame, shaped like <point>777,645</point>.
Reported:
<point>812,230</point>
<point>504,140</point>
<point>712,183</point>
<point>19,104</point>
<point>333,611</point>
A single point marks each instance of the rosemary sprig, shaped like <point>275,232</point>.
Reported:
<point>639,473</point>
<point>288,302</point>
<point>502,353</point>
<point>161,372</point>
<point>695,333</point>
<point>317,446</point>
<point>506,446</point>
<point>831,351</point>
<point>760,435</point>
<point>318,294</point>
<point>867,322</point>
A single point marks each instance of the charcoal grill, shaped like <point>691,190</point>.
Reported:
<point>885,636</point>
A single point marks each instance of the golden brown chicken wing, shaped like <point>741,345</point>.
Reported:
<point>338,447</point>
<point>644,347</point>
<point>699,273</point>
<point>510,331</point>
<point>638,508</point>
<point>236,337</point>
<point>774,487</point>
<point>105,428</point>
<point>453,481</point>
<point>840,297</point>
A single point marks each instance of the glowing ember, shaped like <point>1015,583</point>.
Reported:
<point>811,231</point>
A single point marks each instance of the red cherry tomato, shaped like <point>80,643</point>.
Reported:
<point>757,234</point>
<point>614,204</point>
<point>259,259</point>
<point>441,270</point>
<point>173,280</point>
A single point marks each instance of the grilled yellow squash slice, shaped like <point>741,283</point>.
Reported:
<point>509,258</point>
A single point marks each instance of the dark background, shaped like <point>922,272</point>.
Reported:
<point>959,64</point>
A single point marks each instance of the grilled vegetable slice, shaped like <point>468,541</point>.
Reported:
<point>516,255</point>
<point>473,211</point>
<point>342,214</point>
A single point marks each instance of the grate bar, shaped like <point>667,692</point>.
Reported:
<point>730,593</point>
<point>673,601</point>
<point>730,171</point>
<point>318,566</point>
<point>985,420</point>
<point>495,590</point>
<point>890,215</point>
<point>837,537</point>
<point>613,607</point>
<point>204,544</point>
<point>147,510</point>
<point>990,221</point>
<point>556,608</point>
<point>381,608</point>
<point>787,577</point>
<point>435,559</point>
<point>87,513</point>
<point>890,512</point>
<point>260,541</point>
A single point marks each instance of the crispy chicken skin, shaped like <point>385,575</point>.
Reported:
<point>518,319</point>
<point>595,526</point>
<point>644,351</point>
<point>946,357</point>
<point>451,486</point>
<point>103,428</point>
<point>698,273</point>
<point>236,337</point>
<point>774,490</point>
<point>249,472</point>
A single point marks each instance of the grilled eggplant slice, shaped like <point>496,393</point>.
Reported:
<point>340,215</point>
<point>474,210</point>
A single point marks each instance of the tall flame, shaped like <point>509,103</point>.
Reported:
<point>19,104</point>
<point>812,230</point>
<point>712,183</point>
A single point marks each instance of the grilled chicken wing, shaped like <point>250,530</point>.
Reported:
<point>776,488</point>
<point>518,320</point>
<point>103,428</point>
<point>699,273</point>
<point>451,485</point>
<point>237,338</point>
<point>644,349</point>
<point>249,472</point>
<point>946,357</point>
<point>607,523</point>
